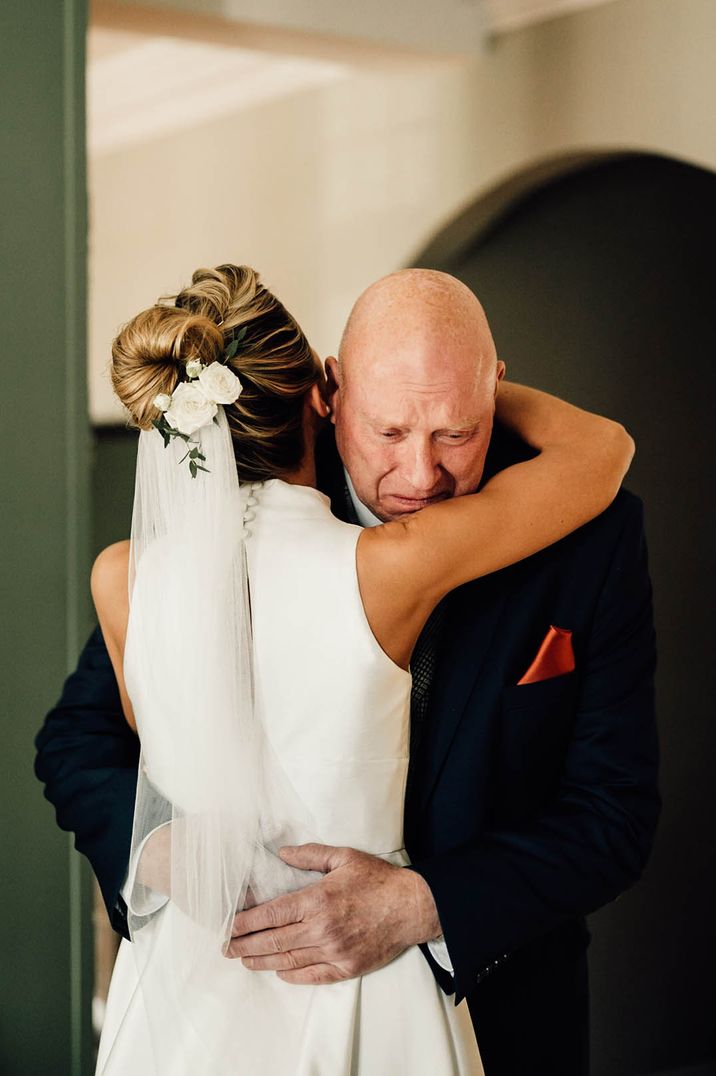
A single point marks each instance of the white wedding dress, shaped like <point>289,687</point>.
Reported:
<point>336,710</point>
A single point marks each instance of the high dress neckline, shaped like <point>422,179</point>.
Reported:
<point>276,491</point>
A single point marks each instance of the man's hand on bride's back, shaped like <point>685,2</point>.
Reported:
<point>360,916</point>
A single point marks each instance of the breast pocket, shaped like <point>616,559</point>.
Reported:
<point>543,694</point>
<point>534,731</point>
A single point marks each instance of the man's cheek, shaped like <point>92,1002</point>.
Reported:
<point>467,474</point>
<point>377,461</point>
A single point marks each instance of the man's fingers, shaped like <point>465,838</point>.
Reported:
<point>270,942</point>
<point>313,857</point>
<point>291,961</point>
<point>314,975</point>
<point>274,913</point>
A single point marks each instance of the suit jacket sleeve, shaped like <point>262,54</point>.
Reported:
<point>593,841</point>
<point>87,757</point>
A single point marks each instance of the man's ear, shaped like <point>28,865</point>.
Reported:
<point>317,402</point>
<point>333,383</point>
<point>501,371</point>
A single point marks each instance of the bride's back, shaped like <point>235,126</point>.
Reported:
<point>334,706</point>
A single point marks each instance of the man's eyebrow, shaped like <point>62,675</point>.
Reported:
<point>463,427</point>
<point>376,421</point>
<point>469,426</point>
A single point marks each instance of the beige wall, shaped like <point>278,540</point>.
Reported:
<point>326,189</point>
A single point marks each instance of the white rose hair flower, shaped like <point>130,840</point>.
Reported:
<point>195,402</point>
<point>219,383</point>
<point>190,408</point>
<point>162,402</point>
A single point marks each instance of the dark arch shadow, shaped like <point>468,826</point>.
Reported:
<point>599,285</point>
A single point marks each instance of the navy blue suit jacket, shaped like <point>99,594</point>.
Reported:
<point>528,806</point>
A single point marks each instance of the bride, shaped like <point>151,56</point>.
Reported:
<point>262,650</point>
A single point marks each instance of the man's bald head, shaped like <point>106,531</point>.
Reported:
<point>434,313</point>
<point>413,391</point>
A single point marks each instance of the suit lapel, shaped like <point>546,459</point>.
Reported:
<point>470,624</point>
<point>331,478</point>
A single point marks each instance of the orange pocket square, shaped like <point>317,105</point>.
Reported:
<point>555,657</point>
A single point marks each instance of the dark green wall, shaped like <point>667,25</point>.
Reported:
<point>44,494</point>
<point>600,287</point>
<point>114,458</point>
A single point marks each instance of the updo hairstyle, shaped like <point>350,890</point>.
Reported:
<point>274,362</point>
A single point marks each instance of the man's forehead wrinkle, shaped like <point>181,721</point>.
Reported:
<point>399,422</point>
<point>414,375</point>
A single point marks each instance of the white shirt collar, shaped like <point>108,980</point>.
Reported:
<point>365,517</point>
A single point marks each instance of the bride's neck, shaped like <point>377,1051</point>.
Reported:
<point>305,475</point>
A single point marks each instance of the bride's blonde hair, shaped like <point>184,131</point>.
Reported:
<point>274,361</point>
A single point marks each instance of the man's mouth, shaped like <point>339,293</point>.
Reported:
<point>414,504</point>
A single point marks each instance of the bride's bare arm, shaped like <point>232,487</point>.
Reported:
<point>108,583</point>
<point>406,567</point>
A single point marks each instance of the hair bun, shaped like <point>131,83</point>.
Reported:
<point>221,294</point>
<point>273,359</point>
<point>151,351</point>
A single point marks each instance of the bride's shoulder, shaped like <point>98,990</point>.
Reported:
<point>110,564</point>
<point>108,581</point>
<point>110,591</point>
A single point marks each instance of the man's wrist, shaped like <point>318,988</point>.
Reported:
<point>424,922</point>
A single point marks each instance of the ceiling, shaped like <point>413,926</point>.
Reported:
<point>456,26</point>
<point>160,66</point>
<point>141,86</point>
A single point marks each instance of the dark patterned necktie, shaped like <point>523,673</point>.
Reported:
<point>422,667</point>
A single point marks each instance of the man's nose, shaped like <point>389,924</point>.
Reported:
<point>420,468</point>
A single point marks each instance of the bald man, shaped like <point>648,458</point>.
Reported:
<point>532,797</point>
<point>414,393</point>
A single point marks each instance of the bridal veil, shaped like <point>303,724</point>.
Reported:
<point>212,804</point>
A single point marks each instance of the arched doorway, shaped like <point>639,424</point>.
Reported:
<point>599,285</point>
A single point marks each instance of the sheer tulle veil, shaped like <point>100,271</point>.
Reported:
<point>212,803</point>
